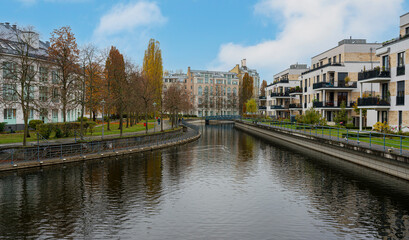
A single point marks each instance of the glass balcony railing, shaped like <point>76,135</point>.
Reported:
<point>374,74</point>
<point>373,101</point>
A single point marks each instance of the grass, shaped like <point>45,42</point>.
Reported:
<point>18,137</point>
<point>337,133</point>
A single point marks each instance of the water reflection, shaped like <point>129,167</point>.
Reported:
<point>227,185</point>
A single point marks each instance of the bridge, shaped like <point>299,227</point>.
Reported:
<point>221,118</point>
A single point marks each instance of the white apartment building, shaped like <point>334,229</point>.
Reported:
<point>45,90</point>
<point>213,92</point>
<point>390,103</point>
<point>284,94</point>
<point>333,78</point>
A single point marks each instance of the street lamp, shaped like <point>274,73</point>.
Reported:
<point>103,104</point>
<point>154,117</point>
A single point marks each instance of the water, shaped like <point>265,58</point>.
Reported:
<point>227,185</point>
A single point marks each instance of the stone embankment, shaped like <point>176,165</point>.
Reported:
<point>387,162</point>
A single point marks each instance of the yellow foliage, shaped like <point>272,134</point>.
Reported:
<point>381,127</point>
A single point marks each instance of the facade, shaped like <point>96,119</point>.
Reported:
<point>284,94</point>
<point>332,79</point>
<point>391,78</point>
<point>44,86</point>
<point>241,70</point>
<point>214,92</point>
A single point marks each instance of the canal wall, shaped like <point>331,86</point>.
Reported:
<point>107,154</point>
<point>389,163</point>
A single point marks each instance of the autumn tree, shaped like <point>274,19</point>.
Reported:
<point>251,106</point>
<point>20,71</point>
<point>64,54</point>
<point>263,88</point>
<point>175,101</point>
<point>146,95</point>
<point>153,71</point>
<point>246,92</point>
<point>115,67</point>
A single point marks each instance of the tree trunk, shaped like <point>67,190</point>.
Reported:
<point>127,119</point>
<point>108,120</point>
<point>121,121</point>
<point>146,121</point>
<point>25,127</point>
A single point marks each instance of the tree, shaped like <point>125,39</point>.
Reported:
<point>64,54</point>
<point>263,88</point>
<point>311,116</point>
<point>341,117</point>
<point>153,71</point>
<point>357,111</point>
<point>21,69</point>
<point>115,67</point>
<point>176,100</point>
<point>251,106</point>
<point>246,92</point>
<point>146,95</point>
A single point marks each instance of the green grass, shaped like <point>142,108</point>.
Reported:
<point>18,137</point>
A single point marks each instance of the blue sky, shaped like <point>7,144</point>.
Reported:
<point>214,34</point>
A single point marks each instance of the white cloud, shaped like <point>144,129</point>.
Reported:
<point>126,17</point>
<point>309,27</point>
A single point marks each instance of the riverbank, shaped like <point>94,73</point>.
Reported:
<point>66,153</point>
<point>386,162</point>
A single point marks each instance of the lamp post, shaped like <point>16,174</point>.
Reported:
<point>103,104</point>
<point>154,117</point>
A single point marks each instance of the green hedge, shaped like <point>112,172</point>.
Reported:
<point>67,129</point>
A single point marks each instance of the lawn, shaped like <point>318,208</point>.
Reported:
<point>18,137</point>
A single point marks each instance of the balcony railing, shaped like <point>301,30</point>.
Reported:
<point>373,74</point>
<point>334,85</point>
<point>330,104</point>
<point>262,97</point>
<point>320,67</point>
<point>400,100</point>
<point>295,105</point>
<point>273,107</point>
<point>295,90</point>
<point>400,71</point>
<point>285,94</point>
<point>373,101</point>
<point>262,108</point>
<point>281,81</point>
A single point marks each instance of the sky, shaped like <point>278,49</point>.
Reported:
<point>214,34</point>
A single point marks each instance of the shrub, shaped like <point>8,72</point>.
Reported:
<point>350,125</point>
<point>381,127</point>
<point>2,126</point>
<point>311,116</point>
<point>58,133</point>
<point>34,123</point>
<point>45,130</point>
<point>84,119</point>
<point>91,126</point>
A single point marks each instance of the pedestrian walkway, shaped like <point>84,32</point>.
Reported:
<point>166,126</point>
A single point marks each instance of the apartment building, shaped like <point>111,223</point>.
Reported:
<point>333,78</point>
<point>44,86</point>
<point>213,92</point>
<point>241,70</point>
<point>391,78</point>
<point>284,95</point>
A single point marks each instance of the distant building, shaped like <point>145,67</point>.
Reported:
<point>241,70</point>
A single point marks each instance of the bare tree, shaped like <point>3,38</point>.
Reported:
<point>22,63</point>
<point>176,100</point>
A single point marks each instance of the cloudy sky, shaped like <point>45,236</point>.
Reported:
<point>214,34</point>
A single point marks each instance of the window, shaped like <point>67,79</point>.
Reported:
<point>29,92</point>
<point>43,92</point>
<point>200,80</point>
<point>313,66</point>
<point>339,58</point>
<point>9,113</point>
<point>31,114</point>
<point>228,91</point>
<point>329,60</point>
<point>206,90</point>
<point>401,59</point>
<point>407,31</point>
<point>229,81</point>
<point>400,97</point>
<point>200,101</point>
<point>207,79</point>
<point>334,59</point>
<point>55,77</point>
<point>200,91</point>
<point>385,63</point>
<point>9,93</point>
<point>43,74</point>
<point>318,78</point>
<point>55,113</point>
<point>234,92</point>
<point>55,95</point>
<point>211,90</point>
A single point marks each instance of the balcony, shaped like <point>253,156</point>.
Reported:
<point>321,67</point>
<point>335,85</point>
<point>295,105</point>
<point>400,71</point>
<point>374,76</point>
<point>374,102</point>
<point>278,95</point>
<point>262,98</point>
<point>295,91</point>
<point>279,107</point>
<point>331,104</point>
<point>400,100</point>
<point>262,108</point>
<point>284,80</point>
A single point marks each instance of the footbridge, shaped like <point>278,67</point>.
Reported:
<point>221,118</point>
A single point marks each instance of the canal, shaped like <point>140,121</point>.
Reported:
<point>227,185</point>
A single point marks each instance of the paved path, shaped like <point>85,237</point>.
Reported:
<point>166,126</point>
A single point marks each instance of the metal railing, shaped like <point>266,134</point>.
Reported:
<point>390,143</point>
<point>334,85</point>
<point>374,74</point>
<point>331,104</point>
<point>44,152</point>
<point>374,101</point>
<point>285,94</point>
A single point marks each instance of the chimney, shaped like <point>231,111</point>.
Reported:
<point>243,63</point>
<point>14,26</point>
<point>7,25</point>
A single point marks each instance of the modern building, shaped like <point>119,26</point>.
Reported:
<point>391,79</point>
<point>44,84</point>
<point>284,95</point>
<point>241,70</point>
<point>332,79</point>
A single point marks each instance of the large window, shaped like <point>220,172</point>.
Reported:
<point>385,63</point>
<point>9,113</point>
<point>43,74</point>
<point>55,77</point>
<point>400,96</point>
<point>9,92</point>
<point>9,70</point>
<point>43,92</point>
<point>200,91</point>
<point>401,59</point>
